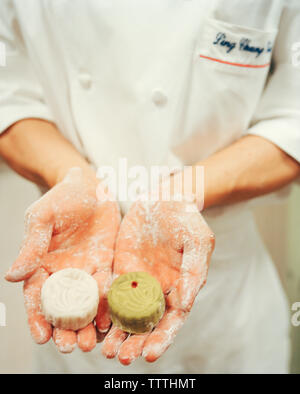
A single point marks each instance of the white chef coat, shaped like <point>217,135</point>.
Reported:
<point>163,82</point>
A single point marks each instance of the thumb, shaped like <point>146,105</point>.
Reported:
<point>103,316</point>
<point>35,245</point>
<point>194,268</point>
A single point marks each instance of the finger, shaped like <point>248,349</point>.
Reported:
<point>41,330</point>
<point>193,276</point>
<point>127,238</point>
<point>35,245</point>
<point>86,338</point>
<point>194,268</point>
<point>113,341</point>
<point>103,320</point>
<point>65,340</point>
<point>132,348</point>
<point>163,335</point>
<point>100,336</point>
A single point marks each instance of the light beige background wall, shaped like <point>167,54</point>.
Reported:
<point>15,342</point>
<point>280,227</point>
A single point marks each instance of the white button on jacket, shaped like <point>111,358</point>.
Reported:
<point>159,98</point>
<point>169,82</point>
<point>85,80</point>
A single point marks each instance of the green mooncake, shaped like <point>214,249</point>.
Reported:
<point>136,302</point>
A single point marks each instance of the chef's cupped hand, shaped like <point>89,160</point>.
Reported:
<point>68,227</point>
<point>171,241</point>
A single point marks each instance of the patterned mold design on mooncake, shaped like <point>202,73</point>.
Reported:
<point>136,302</point>
<point>70,299</point>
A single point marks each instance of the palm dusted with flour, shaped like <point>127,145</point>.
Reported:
<point>171,241</point>
<point>67,228</point>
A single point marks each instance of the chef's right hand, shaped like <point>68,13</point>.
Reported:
<point>171,241</point>
<point>68,227</point>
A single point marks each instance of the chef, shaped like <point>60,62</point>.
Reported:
<point>168,83</point>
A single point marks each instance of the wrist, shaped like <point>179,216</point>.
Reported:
<point>188,186</point>
<point>54,176</point>
<point>219,184</point>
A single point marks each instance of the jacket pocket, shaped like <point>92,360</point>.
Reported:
<point>229,70</point>
<point>235,48</point>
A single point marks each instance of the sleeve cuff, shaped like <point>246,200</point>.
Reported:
<point>283,132</point>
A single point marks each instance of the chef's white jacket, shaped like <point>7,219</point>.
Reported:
<point>168,82</point>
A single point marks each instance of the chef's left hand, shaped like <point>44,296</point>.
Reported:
<point>171,241</point>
